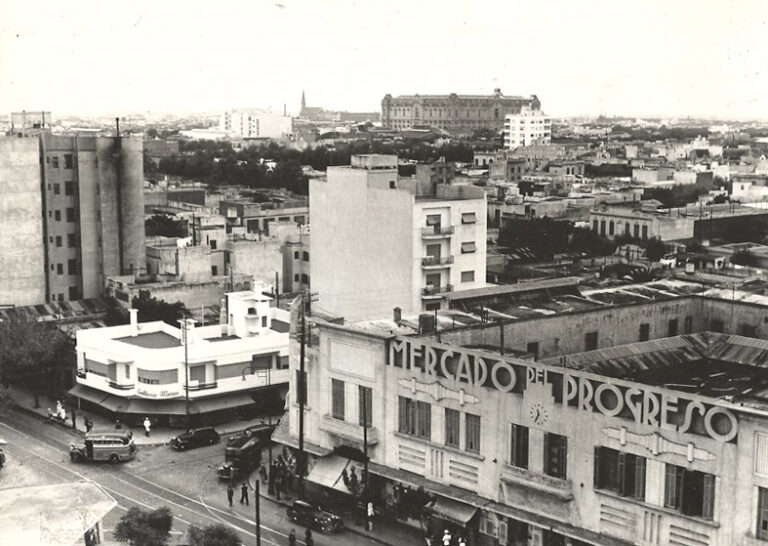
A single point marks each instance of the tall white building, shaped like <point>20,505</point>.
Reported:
<point>527,128</point>
<point>256,123</point>
<point>379,242</point>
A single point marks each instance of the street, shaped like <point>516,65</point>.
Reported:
<point>185,482</point>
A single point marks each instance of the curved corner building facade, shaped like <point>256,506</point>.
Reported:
<point>663,441</point>
<point>453,113</point>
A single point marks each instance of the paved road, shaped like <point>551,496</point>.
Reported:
<point>185,482</point>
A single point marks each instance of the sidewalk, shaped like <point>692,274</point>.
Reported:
<point>159,436</point>
<point>385,530</point>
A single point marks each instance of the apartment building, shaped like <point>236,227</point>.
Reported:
<point>81,198</point>
<point>256,123</point>
<point>526,128</point>
<point>381,242</point>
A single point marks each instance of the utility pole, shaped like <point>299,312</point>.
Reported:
<point>277,289</point>
<point>258,511</point>
<point>366,496</point>
<point>186,369</point>
<point>302,395</point>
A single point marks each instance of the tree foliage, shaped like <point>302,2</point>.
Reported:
<point>151,308</point>
<point>744,257</point>
<point>213,535</point>
<point>37,355</point>
<point>165,225</point>
<point>544,236</point>
<point>140,528</point>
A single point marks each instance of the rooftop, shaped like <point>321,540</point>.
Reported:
<point>152,340</point>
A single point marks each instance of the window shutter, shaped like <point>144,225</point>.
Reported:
<point>523,445</point>
<point>639,492</point>
<point>669,485</point>
<point>501,532</point>
<point>547,457</point>
<point>708,506</point>
<point>596,462</point>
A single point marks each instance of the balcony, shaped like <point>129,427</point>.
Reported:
<point>350,432</point>
<point>435,291</point>
<point>436,262</point>
<point>121,386</point>
<point>436,232</point>
<point>202,386</point>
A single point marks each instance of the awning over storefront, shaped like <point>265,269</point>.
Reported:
<point>141,405</point>
<point>282,435</point>
<point>216,403</point>
<point>327,472</point>
<point>451,510</point>
<point>87,393</point>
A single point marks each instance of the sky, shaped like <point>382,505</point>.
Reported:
<point>654,58</point>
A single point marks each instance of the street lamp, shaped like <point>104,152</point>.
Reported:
<point>185,341</point>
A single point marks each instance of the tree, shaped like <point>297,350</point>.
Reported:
<point>37,355</point>
<point>544,236</point>
<point>744,257</point>
<point>213,535</point>
<point>655,249</point>
<point>140,528</point>
<point>588,242</point>
<point>154,309</point>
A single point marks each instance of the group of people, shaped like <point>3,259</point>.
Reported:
<point>308,540</point>
<point>446,539</point>
<point>243,494</point>
<point>281,473</point>
<point>60,415</point>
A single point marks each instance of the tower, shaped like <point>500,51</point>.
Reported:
<point>303,101</point>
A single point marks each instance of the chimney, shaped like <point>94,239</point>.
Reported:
<point>134,322</point>
<point>223,318</point>
<point>398,315</point>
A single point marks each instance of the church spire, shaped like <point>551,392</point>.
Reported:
<point>303,100</point>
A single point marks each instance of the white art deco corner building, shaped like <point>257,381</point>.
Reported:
<point>233,369</point>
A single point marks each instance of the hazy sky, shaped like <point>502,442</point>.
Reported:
<point>649,57</point>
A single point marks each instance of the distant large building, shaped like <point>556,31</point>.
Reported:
<point>256,123</point>
<point>71,214</point>
<point>453,113</point>
<point>527,128</point>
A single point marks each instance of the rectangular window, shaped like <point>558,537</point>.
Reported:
<point>533,348</point>
<point>296,255</point>
<point>473,433</point>
<point>264,322</point>
<point>60,270</point>
<point>689,491</point>
<point>590,341</point>
<point>762,513</point>
<point>296,277</point>
<point>622,473</point>
<point>467,276</point>
<point>747,330</point>
<point>468,247</point>
<point>433,220</point>
<point>365,406</point>
<point>452,427</point>
<point>71,240</point>
<point>55,162</point>
<point>213,245</point>
<point>518,449</point>
<point>72,267</point>
<point>69,188</point>
<point>337,399</point>
<point>70,214</point>
<point>214,270</point>
<point>305,256</point>
<point>67,161</point>
<point>672,329</point>
<point>56,189</point>
<point>645,331</point>
<point>555,455</point>
<point>58,241</point>
<point>57,215</point>
<point>73,293</point>
<point>688,325</point>
<point>468,218</point>
<point>415,418</point>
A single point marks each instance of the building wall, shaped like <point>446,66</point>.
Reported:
<point>362,236</point>
<point>22,252</point>
<point>259,259</point>
<point>527,128</point>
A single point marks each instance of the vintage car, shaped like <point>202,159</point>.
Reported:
<point>312,515</point>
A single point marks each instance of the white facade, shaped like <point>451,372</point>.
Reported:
<point>147,360</point>
<point>527,128</point>
<point>379,242</point>
<point>256,124</point>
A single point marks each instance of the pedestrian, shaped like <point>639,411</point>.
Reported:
<point>230,494</point>
<point>292,538</point>
<point>447,538</point>
<point>118,425</point>
<point>88,425</point>
<point>462,541</point>
<point>244,493</point>
<point>277,489</point>
<point>147,425</point>
<point>74,419</point>
<point>308,540</point>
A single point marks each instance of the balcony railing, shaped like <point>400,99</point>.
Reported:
<point>81,374</point>
<point>120,386</point>
<point>203,386</point>
<point>437,231</point>
<point>436,261</point>
<point>436,290</point>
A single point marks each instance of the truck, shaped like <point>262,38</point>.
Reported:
<point>241,457</point>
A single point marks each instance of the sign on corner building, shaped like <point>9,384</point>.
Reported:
<point>583,391</point>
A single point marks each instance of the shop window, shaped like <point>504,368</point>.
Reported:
<point>622,473</point>
<point>645,331</point>
<point>518,448</point>
<point>690,492</point>
<point>452,427</point>
<point>365,406</point>
<point>472,429</point>
<point>555,455</point>
<point>762,513</point>
<point>337,399</point>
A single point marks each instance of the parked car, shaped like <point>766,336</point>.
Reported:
<point>311,515</point>
<point>195,437</point>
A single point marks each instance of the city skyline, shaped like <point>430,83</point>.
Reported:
<point>579,58</point>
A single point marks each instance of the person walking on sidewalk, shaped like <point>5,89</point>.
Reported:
<point>292,538</point>
<point>147,425</point>
<point>244,493</point>
<point>88,424</point>
<point>308,540</point>
<point>230,494</point>
<point>74,419</point>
